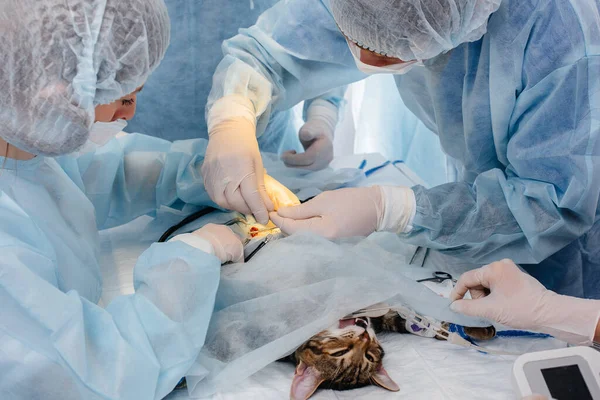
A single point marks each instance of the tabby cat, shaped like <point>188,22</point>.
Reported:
<point>350,356</point>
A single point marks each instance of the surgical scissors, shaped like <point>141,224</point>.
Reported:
<point>439,277</point>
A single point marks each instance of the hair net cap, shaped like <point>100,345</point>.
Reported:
<point>61,58</point>
<point>412,29</point>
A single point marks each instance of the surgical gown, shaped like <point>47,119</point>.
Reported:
<point>173,101</point>
<point>55,341</point>
<point>517,112</point>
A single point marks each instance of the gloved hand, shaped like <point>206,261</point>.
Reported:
<point>233,169</point>
<point>217,240</point>
<point>316,137</point>
<point>350,212</point>
<point>501,292</point>
<point>279,194</point>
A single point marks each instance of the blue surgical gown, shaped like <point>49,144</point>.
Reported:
<point>55,341</point>
<point>173,101</point>
<point>517,112</point>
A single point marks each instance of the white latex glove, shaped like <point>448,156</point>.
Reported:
<point>503,293</point>
<point>218,240</point>
<point>233,169</point>
<point>316,137</point>
<point>350,212</point>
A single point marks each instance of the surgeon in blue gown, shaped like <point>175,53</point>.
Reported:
<point>511,87</point>
<point>68,79</point>
<point>174,99</point>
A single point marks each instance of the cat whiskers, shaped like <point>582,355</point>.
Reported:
<point>335,375</point>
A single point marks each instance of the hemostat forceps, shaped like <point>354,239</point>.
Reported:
<point>257,249</point>
<point>236,220</point>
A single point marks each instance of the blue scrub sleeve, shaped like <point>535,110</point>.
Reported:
<point>137,348</point>
<point>548,194</point>
<point>136,174</point>
<point>294,52</point>
<point>335,97</point>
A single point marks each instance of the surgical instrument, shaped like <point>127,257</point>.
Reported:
<point>257,249</point>
<point>439,277</point>
<point>416,259</point>
<point>189,219</point>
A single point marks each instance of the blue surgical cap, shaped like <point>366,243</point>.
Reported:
<point>61,58</point>
<point>412,29</point>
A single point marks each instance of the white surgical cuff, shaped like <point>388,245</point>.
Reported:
<point>399,209</point>
<point>324,111</point>
<point>570,319</point>
<point>231,107</point>
<point>195,241</point>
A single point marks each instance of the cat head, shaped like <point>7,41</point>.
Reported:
<point>345,357</point>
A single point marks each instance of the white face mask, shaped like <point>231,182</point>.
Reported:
<point>397,69</point>
<point>102,132</point>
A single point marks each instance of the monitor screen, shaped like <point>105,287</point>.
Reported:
<point>566,383</point>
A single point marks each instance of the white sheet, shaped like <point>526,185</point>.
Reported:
<point>424,368</point>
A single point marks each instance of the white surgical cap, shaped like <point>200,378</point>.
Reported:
<point>61,58</point>
<point>412,29</point>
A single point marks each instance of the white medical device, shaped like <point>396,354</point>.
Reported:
<point>572,373</point>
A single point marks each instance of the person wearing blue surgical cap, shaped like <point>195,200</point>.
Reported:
<point>511,87</point>
<point>69,76</point>
<point>174,99</point>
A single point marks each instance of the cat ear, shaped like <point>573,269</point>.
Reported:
<point>382,379</point>
<point>305,383</point>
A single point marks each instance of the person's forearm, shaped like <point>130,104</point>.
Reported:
<point>597,334</point>
<point>571,319</point>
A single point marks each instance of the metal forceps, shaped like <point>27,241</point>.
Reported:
<point>236,220</point>
<point>419,257</point>
<point>439,277</point>
<point>257,249</point>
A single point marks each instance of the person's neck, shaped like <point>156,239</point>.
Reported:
<point>10,151</point>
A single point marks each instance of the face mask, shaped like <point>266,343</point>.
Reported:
<point>397,69</point>
<point>102,132</point>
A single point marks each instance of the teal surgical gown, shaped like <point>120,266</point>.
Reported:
<point>55,341</point>
<point>517,113</point>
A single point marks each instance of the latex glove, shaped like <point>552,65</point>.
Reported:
<point>316,137</point>
<point>503,293</point>
<point>350,212</point>
<point>217,240</point>
<point>280,195</point>
<point>233,169</point>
